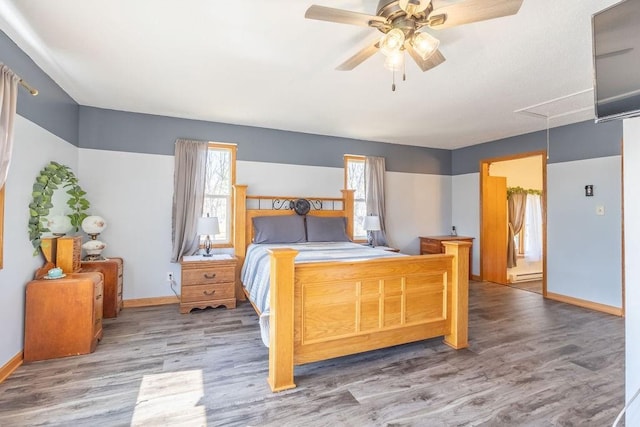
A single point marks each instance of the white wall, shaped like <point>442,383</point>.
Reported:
<point>465,211</point>
<point>133,192</point>
<point>632,264</point>
<point>416,205</point>
<point>33,148</point>
<point>584,250</point>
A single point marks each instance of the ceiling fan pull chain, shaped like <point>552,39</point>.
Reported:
<point>404,71</point>
<point>393,80</point>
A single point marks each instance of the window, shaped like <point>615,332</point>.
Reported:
<point>218,193</point>
<point>354,180</point>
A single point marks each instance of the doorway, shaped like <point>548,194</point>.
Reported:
<point>522,263</point>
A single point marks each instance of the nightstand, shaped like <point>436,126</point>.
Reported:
<point>111,269</point>
<point>63,317</point>
<point>433,245</point>
<point>207,283</point>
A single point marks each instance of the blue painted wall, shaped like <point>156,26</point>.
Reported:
<point>53,109</point>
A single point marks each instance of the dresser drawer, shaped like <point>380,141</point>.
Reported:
<point>194,293</point>
<point>209,276</point>
<point>430,246</point>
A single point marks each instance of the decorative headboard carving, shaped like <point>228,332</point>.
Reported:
<point>248,206</point>
<point>300,206</point>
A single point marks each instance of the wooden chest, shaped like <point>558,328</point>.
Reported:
<point>112,271</point>
<point>63,317</point>
<point>208,284</point>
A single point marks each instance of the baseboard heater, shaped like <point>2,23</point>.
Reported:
<point>525,277</point>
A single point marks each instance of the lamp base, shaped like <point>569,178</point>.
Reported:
<point>207,255</point>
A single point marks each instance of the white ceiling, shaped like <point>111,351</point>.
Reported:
<point>261,63</point>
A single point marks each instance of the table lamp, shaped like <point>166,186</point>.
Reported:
<point>371,223</point>
<point>93,225</point>
<point>207,226</point>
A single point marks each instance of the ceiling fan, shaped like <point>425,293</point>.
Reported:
<point>402,22</point>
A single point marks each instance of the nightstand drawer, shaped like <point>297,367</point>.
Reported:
<point>430,246</point>
<point>209,276</point>
<point>194,293</point>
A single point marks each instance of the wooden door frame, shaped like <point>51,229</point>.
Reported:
<point>484,171</point>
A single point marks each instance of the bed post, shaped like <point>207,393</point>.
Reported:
<point>459,315</point>
<point>239,221</point>
<point>347,197</point>
<point>239,238</point>
<point>281,319</point>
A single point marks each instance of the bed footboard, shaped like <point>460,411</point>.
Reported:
<point>325,310</point>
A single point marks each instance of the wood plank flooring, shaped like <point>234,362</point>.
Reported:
<point>531,286</point>
<point>531,362</point>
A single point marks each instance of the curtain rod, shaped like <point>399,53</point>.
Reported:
<point>33,91</point>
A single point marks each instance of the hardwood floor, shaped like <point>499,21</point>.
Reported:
<point>531,286</point>
<point>531,362</point>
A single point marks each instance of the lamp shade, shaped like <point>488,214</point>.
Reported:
<point>371,223</point>
<point>59,224</point>
<point>208,225</point>
<point>93,224</point>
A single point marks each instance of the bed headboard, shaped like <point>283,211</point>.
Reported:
<point>248,206</point>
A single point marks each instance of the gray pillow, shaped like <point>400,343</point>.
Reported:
<point>327,229</point>
<point>279,229</point>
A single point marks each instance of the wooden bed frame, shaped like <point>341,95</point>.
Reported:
<point>330,309</point>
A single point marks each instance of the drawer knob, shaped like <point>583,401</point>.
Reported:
<point>209,293</point>
<point>210,276</point>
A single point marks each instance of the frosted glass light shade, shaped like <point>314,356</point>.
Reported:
<point>394,61</point>
<point>392,41</point>
<point>425,44</point>
<point>59,224</point>
<point>93,224</point>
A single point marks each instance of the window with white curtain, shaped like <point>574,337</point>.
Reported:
<point>354,179</point>
<point>218,193</point>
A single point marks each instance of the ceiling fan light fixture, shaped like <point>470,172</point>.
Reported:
<point>412,7</point>
<point>392,41</point>
<point>425,44</point>
<point>394,61</point>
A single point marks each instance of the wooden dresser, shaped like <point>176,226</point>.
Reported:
<point>111,268</point>
<point>208,283</point>
<point>433,245</point>
<point>63,317</point>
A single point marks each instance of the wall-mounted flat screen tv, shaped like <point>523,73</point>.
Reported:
<point>616,60</point>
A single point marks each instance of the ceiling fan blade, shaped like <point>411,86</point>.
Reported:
<point>467,11</point>
<point>358,58</point>
<point>330,14</point>
<point>434,60</point>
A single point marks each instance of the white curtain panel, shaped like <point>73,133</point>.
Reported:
<point>8,101</point>
<point>533,218</point>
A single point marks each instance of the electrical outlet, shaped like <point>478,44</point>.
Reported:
<point>169,277</point>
